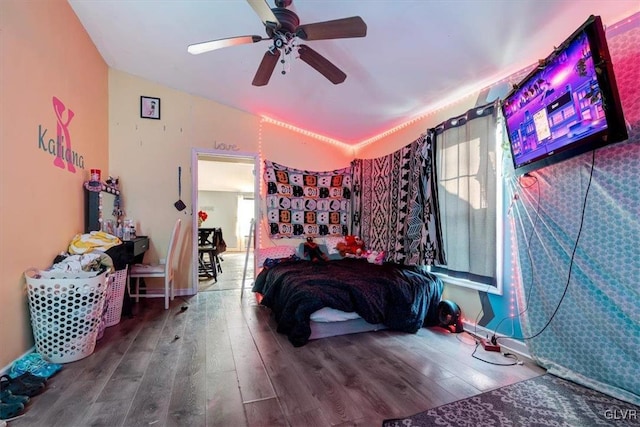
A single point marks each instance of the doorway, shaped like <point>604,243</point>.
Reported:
<point>225,191</point>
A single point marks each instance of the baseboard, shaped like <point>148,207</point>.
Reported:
<point>509,344</point>
<point>183,292</point>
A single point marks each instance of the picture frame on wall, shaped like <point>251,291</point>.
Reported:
<point>149,107</point>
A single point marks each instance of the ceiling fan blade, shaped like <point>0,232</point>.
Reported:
<point>265,69</point>
<point>336,29</point>
<point>265,13</point>
<point>321,64</point>
<point>203,47</point>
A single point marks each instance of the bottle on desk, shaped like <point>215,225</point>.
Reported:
<point>133,230</point>
<point>129,230</point>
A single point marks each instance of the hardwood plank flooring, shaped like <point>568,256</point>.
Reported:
<point>212,360</point>
<point>232,265</point>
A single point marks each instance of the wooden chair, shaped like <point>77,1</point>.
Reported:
<point>166,271</point>
<point>208,250</point>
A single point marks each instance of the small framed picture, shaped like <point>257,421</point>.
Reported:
<point>149,107</point>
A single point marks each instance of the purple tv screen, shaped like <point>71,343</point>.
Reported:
<point>557,106</point>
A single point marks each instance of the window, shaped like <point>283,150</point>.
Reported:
<point>467,170</point>
<point>245,215</point>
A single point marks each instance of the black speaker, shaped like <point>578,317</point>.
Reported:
<point>450,316</point>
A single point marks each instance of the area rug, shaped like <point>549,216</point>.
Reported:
<point>542,401</point>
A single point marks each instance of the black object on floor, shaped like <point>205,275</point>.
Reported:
<point>19,387</point>
<point>10,410</point>
<point>8,397</point>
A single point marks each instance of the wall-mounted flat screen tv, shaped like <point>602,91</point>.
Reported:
<point>566,106</point>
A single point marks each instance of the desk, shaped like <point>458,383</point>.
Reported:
<point>130,252</point>
<point>136,248</point>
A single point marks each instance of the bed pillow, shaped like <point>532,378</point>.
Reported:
<point>332,242</point>
<point>275,252</point>
<point>323,248</point>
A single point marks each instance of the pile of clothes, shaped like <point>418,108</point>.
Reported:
<point>87,252</point>
<point>95,261</point>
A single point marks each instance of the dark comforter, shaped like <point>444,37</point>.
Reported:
<point>403,298</point>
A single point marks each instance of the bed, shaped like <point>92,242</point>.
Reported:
<point>363,296</point>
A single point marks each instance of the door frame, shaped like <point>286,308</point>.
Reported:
<point>196,153</point>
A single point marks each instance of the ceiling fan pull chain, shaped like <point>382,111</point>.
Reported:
<point>286,64</point>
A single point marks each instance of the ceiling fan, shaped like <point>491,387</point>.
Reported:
<point>283,28</point>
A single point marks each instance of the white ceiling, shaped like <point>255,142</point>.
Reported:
<point>417,55</point>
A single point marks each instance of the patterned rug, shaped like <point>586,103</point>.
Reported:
<point>542,401</point>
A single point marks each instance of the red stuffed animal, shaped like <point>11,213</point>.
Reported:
<point>353,245</point>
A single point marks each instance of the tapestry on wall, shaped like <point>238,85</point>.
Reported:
<point>305,203</point>
<point>395,206</point>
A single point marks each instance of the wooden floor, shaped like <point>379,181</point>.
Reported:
<point>211,360</point>
<point>232,265</point>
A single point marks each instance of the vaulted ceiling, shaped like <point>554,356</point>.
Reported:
<point>417,54</point>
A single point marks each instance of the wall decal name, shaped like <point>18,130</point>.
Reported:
<point>227,147</point>
<point>60,147</point>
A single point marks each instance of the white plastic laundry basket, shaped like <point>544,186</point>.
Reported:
<point>116,285</point>
<point>66,311</point>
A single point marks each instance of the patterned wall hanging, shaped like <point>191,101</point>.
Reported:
<point>395,204</point>
<point>305,203</point>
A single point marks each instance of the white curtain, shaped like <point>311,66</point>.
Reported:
<point>466,174</point>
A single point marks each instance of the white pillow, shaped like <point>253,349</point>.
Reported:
<point>274,252</point>
<point>331,242</point>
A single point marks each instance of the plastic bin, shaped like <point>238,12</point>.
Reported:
<point>66,310</point>
<point>116,285</point>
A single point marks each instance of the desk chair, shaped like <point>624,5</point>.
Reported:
<point>221,246</point>
<point>166,271</point>
<point>208,260</point>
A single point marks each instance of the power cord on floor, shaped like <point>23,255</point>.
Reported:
<point>512,356</point>
<point>475,340</point>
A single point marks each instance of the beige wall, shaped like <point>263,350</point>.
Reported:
<point>412,129</point>
<point>45,53</point>
<point>145,155</point>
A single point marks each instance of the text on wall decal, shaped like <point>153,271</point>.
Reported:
<point>222,146</point>
<point>60,147</point>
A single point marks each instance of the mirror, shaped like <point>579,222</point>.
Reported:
<point>109,221</point>
<point>99,208</point>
